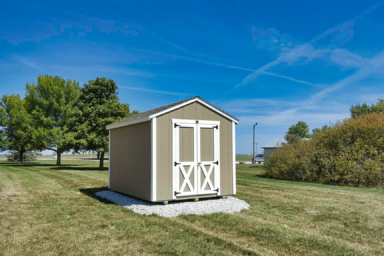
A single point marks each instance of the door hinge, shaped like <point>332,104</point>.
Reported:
<point>176,193</point>
<point>177,125</point>
<point>217,162</point>
<point>216,190</point>
<point>217,127</point>
<point>176,163</point>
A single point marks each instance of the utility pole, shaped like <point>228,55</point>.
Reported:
<point>253,152</point>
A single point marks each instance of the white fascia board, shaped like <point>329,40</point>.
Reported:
<point>154,159</point>
<point>234,157</point>
<point>135,121</point>
<point>189,102</point>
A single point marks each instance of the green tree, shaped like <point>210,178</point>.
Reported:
<point>322,129</point>
<point>51,102</point>
<point>97,107</point>
<point>17,127</point>
<point>292,138</point>
<point>297,132</point>
<point>358,110</point>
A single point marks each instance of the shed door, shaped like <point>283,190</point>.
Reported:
<point>208,154</point>
<point>196,154</point>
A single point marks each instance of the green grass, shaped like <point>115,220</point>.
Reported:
<point>49,210</point>
<point>243,158</point>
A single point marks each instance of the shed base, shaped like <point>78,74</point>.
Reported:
<point>194,198</point>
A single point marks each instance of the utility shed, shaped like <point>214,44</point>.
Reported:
<point>185,150</point>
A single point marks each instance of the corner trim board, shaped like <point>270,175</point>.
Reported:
<point>154,159</point>
<point>234,156</point>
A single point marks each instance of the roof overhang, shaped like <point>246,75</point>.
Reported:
<point>148,118</point>
<point>135,121</point>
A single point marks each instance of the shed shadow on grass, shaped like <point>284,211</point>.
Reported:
<point>92,191</point>
<point>131,200</point>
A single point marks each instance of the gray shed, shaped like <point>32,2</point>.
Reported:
<point>185,150</point>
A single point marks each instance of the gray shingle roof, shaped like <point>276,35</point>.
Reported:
<point>156,110</point>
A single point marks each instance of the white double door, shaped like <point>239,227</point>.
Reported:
<point>196,157</point>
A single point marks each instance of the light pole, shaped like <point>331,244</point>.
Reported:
<point>253,152</point>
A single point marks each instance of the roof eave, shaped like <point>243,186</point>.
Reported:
<point>130,122</point>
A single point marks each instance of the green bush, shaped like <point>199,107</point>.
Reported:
<point>349,153</point>
<point>15,157</point>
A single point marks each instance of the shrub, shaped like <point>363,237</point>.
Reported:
<point>15,157</point>
<point>349,153</point>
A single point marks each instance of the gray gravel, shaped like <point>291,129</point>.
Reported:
<point>175,208</point>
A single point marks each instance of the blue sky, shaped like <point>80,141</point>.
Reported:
<point>271,62</point>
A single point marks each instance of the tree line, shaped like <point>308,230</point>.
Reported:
<point>349,152</point>
<point>299,131</point>
<point>60,115</point>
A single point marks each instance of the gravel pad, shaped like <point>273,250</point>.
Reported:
<point>175,208</point>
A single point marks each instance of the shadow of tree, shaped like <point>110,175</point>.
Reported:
<point>31,164</point>
<point>73,167</point>
<point>78,168</point>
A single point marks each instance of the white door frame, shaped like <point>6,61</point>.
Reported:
<point>195,165</point>
<point>214,165</point>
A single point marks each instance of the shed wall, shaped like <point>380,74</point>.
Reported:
<point>193,111</point>
<point>130,160</point>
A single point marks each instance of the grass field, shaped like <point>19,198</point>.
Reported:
<point>244,158</point>
<point>49,210</point>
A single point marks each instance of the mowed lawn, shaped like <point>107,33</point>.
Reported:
<point>244,158</point>
<point>49,210</point>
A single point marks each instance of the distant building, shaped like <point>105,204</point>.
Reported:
<point>269,149</point>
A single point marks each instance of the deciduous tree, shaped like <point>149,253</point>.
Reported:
<point>358,110</point>
<point>97,107</point>
<point>17,128</point>
<point>297,132</point>
<point>51,102</point>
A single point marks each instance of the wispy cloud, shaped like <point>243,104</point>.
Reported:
<point>26,62</point>
<point>291,116</point>
<point>374,65</point>
<point>306,50</point>
<point>154,91</point>
<point>231,67</point>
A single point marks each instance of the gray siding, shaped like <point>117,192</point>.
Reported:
<point>130,160</point>
<point>193,111</point>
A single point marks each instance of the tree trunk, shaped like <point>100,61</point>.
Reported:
<point>101,160</point>
<point>98,154</point>
<point>21,154</point>
<point>58,158</point>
